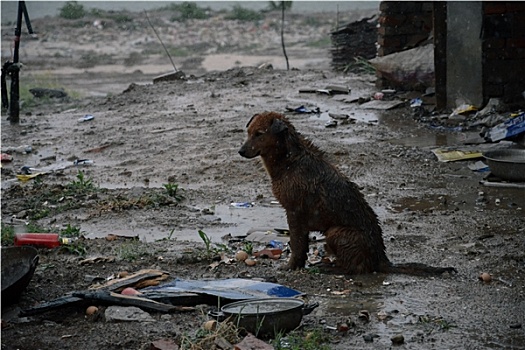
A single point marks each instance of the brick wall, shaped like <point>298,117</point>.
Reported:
<point>503,40</point>
<point>402,25</point>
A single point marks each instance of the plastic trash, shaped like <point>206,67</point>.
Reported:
<point>83,162</point>
<point>509,128</point>
<point>6,157</point>
<point>19,149</point>
<point>26,170</point>
<point>242,204</point>
<point>379,96</point>
<point>302,109</point>
<point>417,102</point>
<point>276,244</point>
<point>48,240</point>
<point>86,118</point>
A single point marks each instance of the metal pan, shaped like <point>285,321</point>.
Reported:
<point>18,266</point>
<point>507,164</point>
<point>266,317</point>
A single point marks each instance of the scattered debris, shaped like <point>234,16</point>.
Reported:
<point>172,76</point>
<point>24,149</point>
<point>230,289</point>
<point>381,104</point>
<point>86,118</point>
<point>163,344</point>
<point>126,314</point>
<point>303,110</point>
<point>398,339</point>
<point>251,342</point>
<point>411,69</point>
<point>509,129</point>
<point>479,167</point>
<point>452,155</point>
<point>242,205</point>
<point>49,93</point>
<point>485,277</point>
<point>353,40</point>
<point>6,157</point>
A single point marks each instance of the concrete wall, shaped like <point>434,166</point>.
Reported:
<point>464,79</point>
<point>480,46</point>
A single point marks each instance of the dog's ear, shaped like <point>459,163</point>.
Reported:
<point>278,126</point>
<point>251,119</point>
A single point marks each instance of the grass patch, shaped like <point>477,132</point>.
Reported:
<point>188,10</point>
<point>440,322</point>
<point>212,249</point>
<point>72,10</point>
<point>132,250</point>
<point>71,232</point>
<point>312,340</point>
<point>82,185</point>
<point>360,65</point>
<point>7,235</point>
<point>46,81</point>
<point>205,339</point>
<point>240,13</point>
<point>173,190</point>
<point>91,59</point>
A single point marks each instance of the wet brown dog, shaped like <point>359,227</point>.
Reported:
<point>318,197</point>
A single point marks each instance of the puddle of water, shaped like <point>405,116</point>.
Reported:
<point>420,204</point>
<point>364,117</point>
<point>430,140</point>
<point>235,221</point>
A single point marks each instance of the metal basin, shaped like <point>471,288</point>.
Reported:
<point>507,164</point>
<point>266,317</point>
<point>18,266</point>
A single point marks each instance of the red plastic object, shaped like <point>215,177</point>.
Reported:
<point>6,157</point>
<point>48,240</point>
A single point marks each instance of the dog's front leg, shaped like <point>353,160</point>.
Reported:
<point>298,243</point>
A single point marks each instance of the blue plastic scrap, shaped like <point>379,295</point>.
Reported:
<point>509,128</point>
<point>232,288</point>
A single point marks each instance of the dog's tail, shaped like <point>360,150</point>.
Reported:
<point>418,269</point>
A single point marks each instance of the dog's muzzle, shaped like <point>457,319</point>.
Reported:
<point>247,152</point>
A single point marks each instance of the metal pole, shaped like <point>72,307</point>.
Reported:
<point>14,106</point>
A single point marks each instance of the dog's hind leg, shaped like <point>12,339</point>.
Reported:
<point>354,253</point>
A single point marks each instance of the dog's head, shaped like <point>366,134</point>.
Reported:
<point>265,132</point>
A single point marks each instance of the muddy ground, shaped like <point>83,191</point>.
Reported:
<point>146,136</point>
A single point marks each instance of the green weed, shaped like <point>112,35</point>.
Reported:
<point>240,13</point>
<point>76,247</point>
<point>440,322</point>
<point>72,10</point>
<point>82,185</point>
<point>214,249</point>
<point>7,235</point>
<point>207,242</point>
<point>360,65</point>
<point>45,81</point>
<point>132,250</point>
<point>35,228</point>
<point>188,10</point>
<point>71,231</point>
<point>172,190</point>
<point>313,340</point>
<point>248,247</point>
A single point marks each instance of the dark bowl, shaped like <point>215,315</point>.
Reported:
<point>266,317</point>
<point>507,164</point>
<point>18,266</point>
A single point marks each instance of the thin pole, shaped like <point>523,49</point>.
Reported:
<point>158,37</point>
